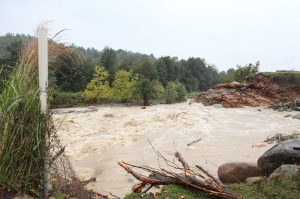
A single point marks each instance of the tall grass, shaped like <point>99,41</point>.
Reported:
<point>22,126</point>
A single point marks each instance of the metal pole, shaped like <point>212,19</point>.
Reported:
<point>43,85</point>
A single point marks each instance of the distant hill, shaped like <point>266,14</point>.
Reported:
<point>94,54</point>
<point>8,38</point>
<point>89,53</point>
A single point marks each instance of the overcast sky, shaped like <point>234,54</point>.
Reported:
<point>223,32</point>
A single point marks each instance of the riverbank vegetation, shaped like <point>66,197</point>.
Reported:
<point>119,75</point>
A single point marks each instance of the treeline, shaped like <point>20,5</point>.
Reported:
<point>166,78</point>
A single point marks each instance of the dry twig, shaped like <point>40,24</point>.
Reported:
<point>203,182</point>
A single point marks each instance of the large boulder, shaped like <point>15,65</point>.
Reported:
<point>287,170</point>
<point>237,172</point>
<point>285,152</point>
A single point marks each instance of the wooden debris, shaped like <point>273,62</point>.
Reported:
<point>278,137</point>
<point>189,144</point>
<point>258,145</point>
<point>201,181</point>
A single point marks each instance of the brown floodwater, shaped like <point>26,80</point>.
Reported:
<point>97,140</point>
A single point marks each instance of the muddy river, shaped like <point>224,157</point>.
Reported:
<point>97,140</point>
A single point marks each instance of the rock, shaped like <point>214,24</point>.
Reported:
<point>255,179</point>
<point>260,90</point>
<point>217,105</point>
<point>22,196</point>
<point>281,153</point>
<point>259,110</point>
<point>288,115</point>
<point>280,109</point>
<point>296,116</point>
<point>297,108</point>
<point>287,170</point>
<point>297,101</point>
<point>237,172</point>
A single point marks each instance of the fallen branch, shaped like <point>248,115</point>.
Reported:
<point>203,182</point>
<point>189,144</point>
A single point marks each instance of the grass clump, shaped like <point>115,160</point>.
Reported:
<point>22,126</point>
<point>292,77</point>
<point>278,187</point>
<point>193,94</point>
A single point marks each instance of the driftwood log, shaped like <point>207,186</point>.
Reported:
<point>203,181</point>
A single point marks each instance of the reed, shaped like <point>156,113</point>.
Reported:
<point>22,126</point>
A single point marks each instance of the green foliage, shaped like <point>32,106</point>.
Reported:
<point>108,59</point>
<point>126,64</point>
<point>227,77</point>
<point>170,93</point>
<point>59,196</point>
<point>73,74</point>
<point>144,89</point>
<point>193,94</point>
<point>278,187</point>
<point>159,89</point>
<point>161,69</point>
<point>174,91</point>
<point>133,57</point>
<point>98,88</point>
<point>22,126</point>
<point>242,72</point>
<point>145,68</point>
<point>284,77</point>
<point>7,63</point>
<point>65,99</point>
<point>171,68</point>
<point>181,92</point>
<point>122,85</point>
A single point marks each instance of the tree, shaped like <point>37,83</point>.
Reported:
<point>181,91</point>
<point>7,63</point>
<point>98,88</point>
<point>161,69</point>
<point>159,89</point>
<point>228,76</point>
<point>73,73</point>
<point>122,85</point>
<point>172,68</point>
<point>144,88</point>
<point>170,93</point>
<point>108,59</point>
<point>215,74</point>
<point>174,91</point>
<point>145,68</point>
<point>242,72</point>
<point>197,67</point>
<point>126,64</point>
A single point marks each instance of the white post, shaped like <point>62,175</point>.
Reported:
<point>43,84</point>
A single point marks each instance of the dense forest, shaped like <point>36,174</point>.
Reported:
<point>120,75</point>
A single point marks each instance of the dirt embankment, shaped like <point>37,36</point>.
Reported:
<point>261,89</point>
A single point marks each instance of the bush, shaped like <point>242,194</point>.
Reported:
<point>65,99</point>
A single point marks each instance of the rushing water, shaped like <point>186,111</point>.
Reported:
<point>96,141</point>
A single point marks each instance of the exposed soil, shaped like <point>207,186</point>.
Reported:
<point>261,89</point>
